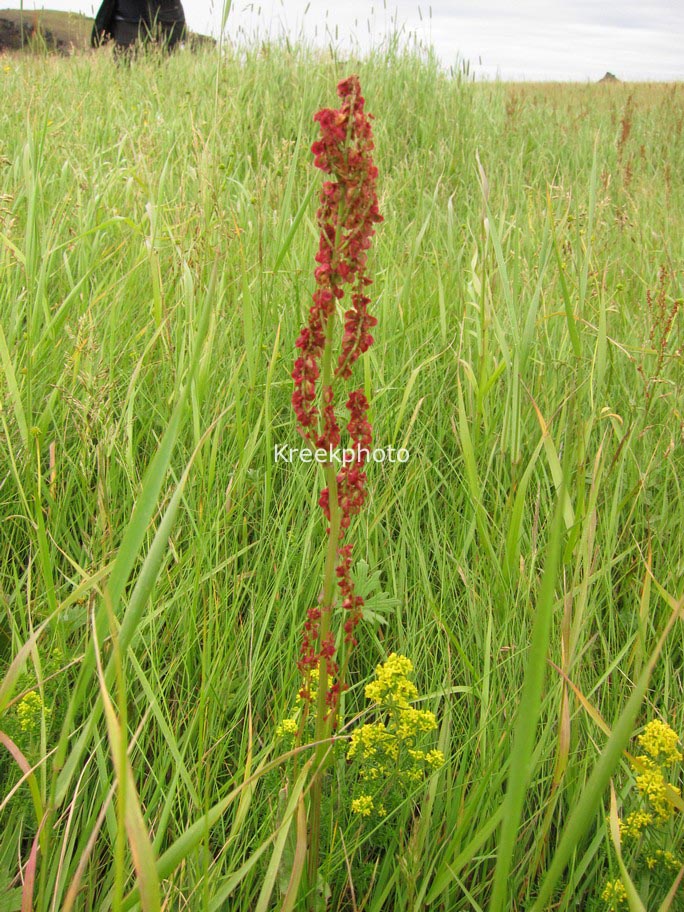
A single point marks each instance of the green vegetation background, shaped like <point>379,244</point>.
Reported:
<point>529,339</point>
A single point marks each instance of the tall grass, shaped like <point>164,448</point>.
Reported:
<point>156,230</point>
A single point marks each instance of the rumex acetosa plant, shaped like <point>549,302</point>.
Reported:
<point>390,749</point>
<point>346,218</point>
<point>328,349</point>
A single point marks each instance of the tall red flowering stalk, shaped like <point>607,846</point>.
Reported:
<point>346,218</point>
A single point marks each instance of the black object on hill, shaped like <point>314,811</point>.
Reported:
<point>58,32</point>
<point>131,22</point>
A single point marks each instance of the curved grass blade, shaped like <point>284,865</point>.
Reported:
<point>528,714</point>
<point>138,838</point>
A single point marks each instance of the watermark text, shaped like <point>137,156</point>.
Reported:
<point>341,455</point>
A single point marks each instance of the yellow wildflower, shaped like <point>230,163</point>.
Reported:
<point>287,728</point>
<point>412,774</point>
<point>369,739</point>
<point>651,783</point>
<point>312,688</point>
<point>660,742</point>
<point>435,759</point>
<point>363,805</point>
<point>389,749</point>
<point>29,711</point>
<point>665,858</point>
<point>614,894</point>
<point>414,722</point>
<point>634,823</point>
<point>391,686</point>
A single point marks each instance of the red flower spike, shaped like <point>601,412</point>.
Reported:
<point>347,214</point>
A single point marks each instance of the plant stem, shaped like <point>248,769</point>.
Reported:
<point>327,598</point>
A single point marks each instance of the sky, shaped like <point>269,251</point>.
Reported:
<point>529,39</point>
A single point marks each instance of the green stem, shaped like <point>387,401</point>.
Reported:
<point>323,720</point>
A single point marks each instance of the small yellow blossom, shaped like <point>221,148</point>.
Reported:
<point>660,742</point>
<point>665,858</point>
<point>634,823</point>
<point>412,774</point>
<point>29,711</point>
<point>415,722</point>
<point>363,805</point>
<point>660,750</point>
<point>312,687</point>
<point>435,759</point>
<point>391,686</point>
<point>651,783</point>
<point>614,894</point>
<point>369,740</point>
<point>286,728</point>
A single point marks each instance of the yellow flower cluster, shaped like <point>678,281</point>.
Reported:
<point>614,894</point>
<point>287,728</point>
<point>363,805</point>
<point>634,823</point>
<point>415,722</point>
<point>660,742</point>
<point>313,688</point>
<point>29,711</point>
<point>665,858</point>
<point>433,758</point>
<point>388,750</point>
<point>392,687</point>
<point>651,783</point>
<point>373,740</point>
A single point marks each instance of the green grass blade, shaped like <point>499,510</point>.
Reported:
<point>525,730</point>
<point>13,389</point>
<point>138,837</point>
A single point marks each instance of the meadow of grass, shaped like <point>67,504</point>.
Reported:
<point>156,253</point>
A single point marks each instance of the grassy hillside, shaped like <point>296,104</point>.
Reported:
<point>54,30</point>
<point>157,240</point>
<point>63,30</point>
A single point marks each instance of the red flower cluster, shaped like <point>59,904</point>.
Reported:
<point>352,603</point>
<point>348,211</point>
<point>308,654</point>
<point>351,480</point>
<point>346,217</point>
